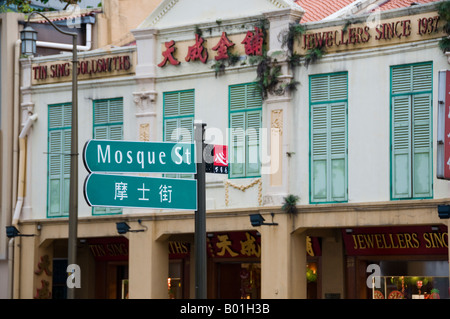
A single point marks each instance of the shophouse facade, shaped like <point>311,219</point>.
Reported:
<point>367,151</point>
<point>328,141</point>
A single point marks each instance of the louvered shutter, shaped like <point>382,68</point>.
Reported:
<point>237,150</point>
<point>338,151</point>
<point>55,172</point>
<point>253,127</point>
<point>401,147</point>
<point>59,147</point>
<point>319,152</point>
<point>328,98</point>
<point>108,125</point>
<point>245,124</point>
<point>422,148</point>
<point>179,120</point>
<point>411,162</point>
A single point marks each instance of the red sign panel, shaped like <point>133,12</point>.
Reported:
<point>420,240</point>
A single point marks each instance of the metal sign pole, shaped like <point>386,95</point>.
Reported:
<point>200,215</point>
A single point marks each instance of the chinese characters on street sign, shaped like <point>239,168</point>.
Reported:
<point>108,190</point>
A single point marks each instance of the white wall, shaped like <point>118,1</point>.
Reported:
<point>368,117</point>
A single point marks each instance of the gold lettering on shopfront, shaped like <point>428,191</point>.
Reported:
<point>99,250</point>
<point>400,241</point>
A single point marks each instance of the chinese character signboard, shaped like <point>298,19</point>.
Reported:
<point>107,190</point>
<point>234,245</point>
<point>217,161</point>
<point>250,43</point>
<point>443,143</point>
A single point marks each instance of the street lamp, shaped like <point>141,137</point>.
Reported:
<point>29,37</point>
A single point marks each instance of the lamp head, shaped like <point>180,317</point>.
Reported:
<point>122,228</point>
<point>29,37</point>
<point>12,231</point>
<point>256,220</point>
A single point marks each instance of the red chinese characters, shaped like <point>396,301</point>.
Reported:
<point>197,51</point>
<point>222,47</point>
<point>254,42</point>
<point>168,54</point>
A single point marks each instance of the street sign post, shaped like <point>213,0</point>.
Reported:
<point>139,157</point>
<point>106,190</point>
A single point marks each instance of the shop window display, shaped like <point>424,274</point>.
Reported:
<point>422,280</point>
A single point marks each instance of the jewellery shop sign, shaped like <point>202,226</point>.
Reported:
<point>88,68</point>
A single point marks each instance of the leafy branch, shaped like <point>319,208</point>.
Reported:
<point>444,14</point>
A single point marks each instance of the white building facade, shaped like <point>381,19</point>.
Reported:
<point>354,140</point>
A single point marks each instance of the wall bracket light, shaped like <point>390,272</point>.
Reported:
<point>257,220</point>
<point>123,228</point>
<point>444,211</point>
<point>12,232</point>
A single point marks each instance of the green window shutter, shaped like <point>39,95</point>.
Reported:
<point>245,105</point>
<point>179,119</point>
<point>108,125</point>
<point>401,146</point>
<point>422,146</point>
<point>338,151</point>
<point>319,152</point>
<point>328,98</point>
<point>59,145</point>
<point>253,126</point>
<point>237,149</point>
<point>179,116</point>
<point>411,159</point>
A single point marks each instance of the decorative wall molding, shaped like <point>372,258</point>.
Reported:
<point>243,188</point>
<point>145,103</point>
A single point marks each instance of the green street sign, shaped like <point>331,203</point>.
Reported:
<point>139,157</point>
<point>107,190</point>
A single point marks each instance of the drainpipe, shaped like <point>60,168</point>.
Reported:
<point>22,165</point>
<point>63,46</point>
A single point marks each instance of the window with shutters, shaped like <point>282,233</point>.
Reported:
<point>179,119</point>
<point>58,187</point>
<point>108,125</point>
<point>245,122</point>
<point>328,137</point>
<point>411,131</point>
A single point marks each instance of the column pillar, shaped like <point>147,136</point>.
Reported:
<point>283,260</point>
<point>278,114</point>
<point>148,263</point>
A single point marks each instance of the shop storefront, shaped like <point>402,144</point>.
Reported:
<point>409,262</point>
<point>234,265</point>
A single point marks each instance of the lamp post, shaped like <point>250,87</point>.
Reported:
<point>29,37</point>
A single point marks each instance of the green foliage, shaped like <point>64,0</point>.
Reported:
<point>25,5</point>
<point>314,54</point>
<point>444,14</point>
<point>444,44</point>
<point>290,203</point>
<point>287,37</point>
<point>219,66</point>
